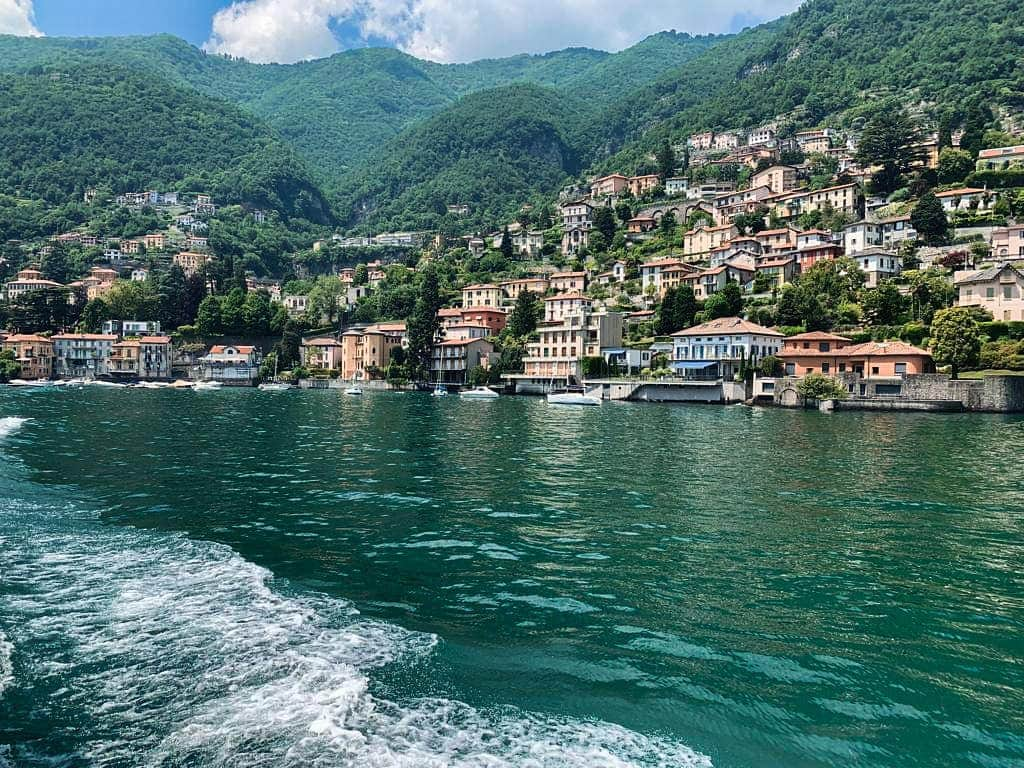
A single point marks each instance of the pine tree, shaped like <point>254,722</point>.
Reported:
<point>423,326</point>
<point>666,158</point>
<point>525,314</point>
<point>506,245</point>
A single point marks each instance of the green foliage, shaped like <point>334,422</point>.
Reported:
<point>956,340</point>
<point>677,311</point>
<point>525,315</point>
<point>929,219</point>
<point>955,165</point>
<point>10,368</point>
<point>818,386</point>
<point>423,324</point>
<point>890,139</point>
<point>883,305</point>
<point>92,126</point>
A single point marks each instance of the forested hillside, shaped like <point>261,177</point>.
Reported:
<point>335,111</point>
<point>492,150</point>
<point>101,126</point>
<point>833,61</point>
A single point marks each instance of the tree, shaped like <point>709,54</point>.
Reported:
<point>890,139</point>
<point>677,310</point>
<point>525,314</point>
<point>361,275</point>
<point>10,368</point>
<point>95,312</point>
<point>734,299</point>
<point>956,339</point>
<point>955,165</point>
<point>818,386</point>
<point>666,159</point>
<point>208,319</point>
<point>789,306</point>
<point>604,222</point>
<point>231,312</point>
<point>668,223</point>
<point>883,305</point>
<point>54,265</point>
<point>257,313</point>
<point>929,219</point>
<point>624,211</point>
<point>325,299</point>
<point>506,245</point>
<point>133,300</point>
<point>423,325</point>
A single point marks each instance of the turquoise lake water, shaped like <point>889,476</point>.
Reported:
<point>306,579</point>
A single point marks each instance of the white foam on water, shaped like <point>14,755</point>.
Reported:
<point>10,424</point>
<point>6,668</point>
<point>181,653</point>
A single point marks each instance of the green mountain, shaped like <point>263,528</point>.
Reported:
<point>834,61</point>
<point>493,150</point>
<point>103,126</point>
<point>335,111</point>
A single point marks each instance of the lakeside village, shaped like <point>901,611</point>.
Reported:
<point>882,270</point>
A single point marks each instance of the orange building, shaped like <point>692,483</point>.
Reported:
<point>831,354</point>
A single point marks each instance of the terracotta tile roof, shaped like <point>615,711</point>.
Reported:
<point>218,349</point>
<point>884,349</point>
<point>566,297</point>
<point>727,325</point>
<point>155,339</point>
<point>817,336</point>
<point>85,337</point>
<point>322,342</point>
<point>961,191</point>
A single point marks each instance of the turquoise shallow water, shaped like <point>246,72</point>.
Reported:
<point>244,578</point>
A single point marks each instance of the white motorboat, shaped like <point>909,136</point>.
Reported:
<point>353,391</point>
<point>573,398</point>
<point>275,386</point>
<point>439,392</point>
<point>180,384</point>
<point>207,385</point>
<point>480,393</point>
<point>109,384</point>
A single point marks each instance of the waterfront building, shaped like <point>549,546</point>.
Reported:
<point>716,349</point>
<point>230,364</point>
<point>147,358</point>
<point>78,355</point>
<point>831,354</point>
<point>571,330</point>
<point>323,353</point>
<point>567,282</point>
<point>512,288</point>
<point>453,359</point>
<point>493,318</point>
<point>33,353</point>
<point>366,352</point>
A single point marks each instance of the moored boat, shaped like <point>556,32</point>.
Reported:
<point>480,393</point>
<point>354,390</point>
<point>275,386</point>
<point>573,398</point>
<point>207,385</point>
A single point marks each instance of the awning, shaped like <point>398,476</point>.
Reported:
<point>614,351</point>
<point>686,365</point>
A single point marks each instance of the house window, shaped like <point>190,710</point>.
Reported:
<point>901,369</point>
<point>842,367</point>
<point>874,370</point>
<point>825,368</point>
<point>790,369</point>
<point>990,293</point>
<point>824,347</point>
<point>1007,291</point>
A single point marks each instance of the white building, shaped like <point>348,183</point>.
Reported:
<point>229,364</point>
<point>77,355</point>
<point>714,350</point>
<point>878,264</point>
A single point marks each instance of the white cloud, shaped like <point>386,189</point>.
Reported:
<point>465,30</point>
<point>16,18</point>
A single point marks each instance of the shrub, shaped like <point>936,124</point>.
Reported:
<point>995,330</point>
<point>914,333</point>
<point>818,386</point>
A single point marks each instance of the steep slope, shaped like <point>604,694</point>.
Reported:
<point>335,111</point>
<point>493,150</point>
<point>832,60</point>
<point>104,126</point>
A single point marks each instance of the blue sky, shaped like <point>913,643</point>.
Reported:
<point>441,30</point>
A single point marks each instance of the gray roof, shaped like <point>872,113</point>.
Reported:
<point>986,275</point>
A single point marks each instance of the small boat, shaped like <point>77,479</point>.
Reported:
<point>275,384</point>
<point>573,397</point>
<point>109,384</point>
<point>180,384</point>
<point>206,385</point>
<point>480,393</point>
<point>353,391</point>
<point>439,392</point>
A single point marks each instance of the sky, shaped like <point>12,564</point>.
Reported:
<point>441,30</point>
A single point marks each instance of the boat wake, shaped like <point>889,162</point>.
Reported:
<point>168,652</point>
<point>10,424</point>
